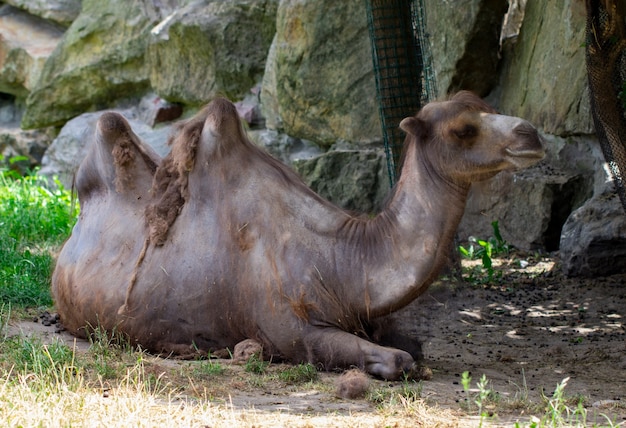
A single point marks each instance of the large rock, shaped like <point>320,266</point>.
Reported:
<point>319,81</point>
<point>594,238</point>
<point>210,48</point>
<point>282,146</point>
<point>20,150</point>
<point>464,42</point>
<point>100,59</point>
<point>353,179</point>
<point>60,11</point>
<point>544,76</point>
<point>26,42</point>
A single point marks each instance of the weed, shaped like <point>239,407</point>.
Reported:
<point>485,250</point>
<point>105,349</point>
<point>466,380</point>
<point>256,365</point>
<point>5,317</point>
<point>481,398</point>
<point>301,373</point>
<point>410,391</point>
<point>558,412</point>
<point>28,355</point>
<point>207,368</point>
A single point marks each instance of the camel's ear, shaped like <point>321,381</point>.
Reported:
<point>414,126</point>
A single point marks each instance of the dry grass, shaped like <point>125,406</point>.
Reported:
<point>145,391</point>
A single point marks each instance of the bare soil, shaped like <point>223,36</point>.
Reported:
<point>527,330</point>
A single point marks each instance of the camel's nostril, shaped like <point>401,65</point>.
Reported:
<point>529,137</point>
<point>525,129</point>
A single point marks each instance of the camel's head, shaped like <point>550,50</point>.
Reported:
<point>465,140</point>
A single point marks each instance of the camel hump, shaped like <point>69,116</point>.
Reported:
<point>222,119</point>
<point>131,162</point>
<point>111,126</point>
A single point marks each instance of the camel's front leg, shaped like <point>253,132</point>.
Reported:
<point>338,349</point>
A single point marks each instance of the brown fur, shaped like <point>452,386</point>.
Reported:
<point>169,188</point>
<point>352,384</point>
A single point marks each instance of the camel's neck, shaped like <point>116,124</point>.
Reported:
<point>400,251</point>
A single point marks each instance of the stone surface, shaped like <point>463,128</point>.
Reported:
<point>27,146</point>
<point>100,59</point>
<point>319,82</point>
<point>544,76</point>
<point>154,109</point>
<point>70,147</point>
<point>352,179</point>
<point>594,238</point>
<point>60,11</point>
<point>20,150</point>
<point>282,146</point>
<point>25,43</point>
<point>464,42</point>
<point>222,45</point>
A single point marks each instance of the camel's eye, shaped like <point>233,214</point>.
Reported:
<point>466,132</point>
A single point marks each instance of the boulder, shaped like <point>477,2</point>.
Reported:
<point>101,59</point>
<point>62,12</point>
<point>26,42</point>
<point>464,43</point>
<point>222,45</point>
<point>319,79</point>
<point>593,242</point>
<point>544,78</point>
<point>154,109</point>
<point>352,179</point>
<point>283,147</point>
<point>70,147</point>
<point>20,150</point>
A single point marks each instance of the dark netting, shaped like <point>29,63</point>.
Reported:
<point>404,79</point>
<point>606,69</point>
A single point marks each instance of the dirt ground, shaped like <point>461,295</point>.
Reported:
<point>527,334</point>
<point>526,331</point>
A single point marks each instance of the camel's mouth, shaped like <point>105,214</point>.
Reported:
<point>524,158</point>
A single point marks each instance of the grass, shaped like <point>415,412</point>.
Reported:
<point>34,220</point>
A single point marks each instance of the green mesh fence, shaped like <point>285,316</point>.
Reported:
<point>402,66</point>
<point>606,70</point>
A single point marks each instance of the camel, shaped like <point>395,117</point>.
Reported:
<point>219,242</point>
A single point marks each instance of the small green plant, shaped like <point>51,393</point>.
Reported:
<point>558,412</point>
<point>5,317</point>
<point>485,250</point>
<point>301,373</point>
<point>466,381</point>
<point>105,349</point>
<point>208,368</point>
<point>409,391</point>
<point>256,365</point>
<point>481,398</point>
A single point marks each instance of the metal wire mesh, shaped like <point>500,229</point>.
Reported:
<point>606,70</point>
<point>404,77</point>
